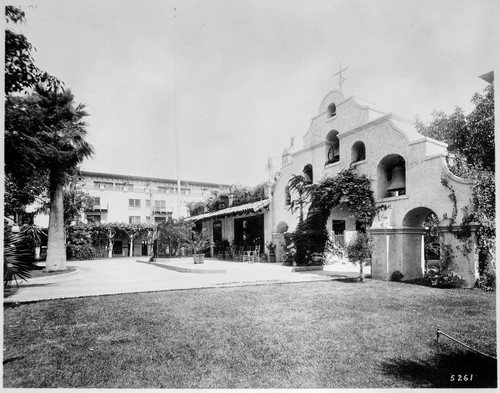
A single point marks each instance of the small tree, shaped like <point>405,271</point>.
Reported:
<point>358,249</point>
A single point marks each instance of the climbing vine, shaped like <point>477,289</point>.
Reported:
<point>348,191</point>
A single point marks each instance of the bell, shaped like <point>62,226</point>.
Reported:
<point>398,181</point>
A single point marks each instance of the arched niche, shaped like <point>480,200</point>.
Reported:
<point>358,152</point>
<point>332,147</point>
<point>391,176</point>
<point>308,173</point>
<point>332,110</point>
<point>288,197</point>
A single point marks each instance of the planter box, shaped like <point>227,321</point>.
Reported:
<point>306,268</point>
<point>198,258</point>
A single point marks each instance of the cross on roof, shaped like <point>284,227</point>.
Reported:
<point>341,78</point>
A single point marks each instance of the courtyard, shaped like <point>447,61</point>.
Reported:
<point>334,333</point>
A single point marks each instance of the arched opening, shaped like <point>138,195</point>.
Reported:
<point>308,172</point>
<point>426,218</point>
<point>332,147</point>
<point>391,176</point>
<point>358,152</point>
<point>282,227</point>
<point>332,110</point>
<point>288,197</point>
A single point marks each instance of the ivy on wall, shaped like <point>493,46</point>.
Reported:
<point>348,191</point>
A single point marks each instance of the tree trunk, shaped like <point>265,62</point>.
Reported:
<point>361,274</point>
<point>110,248</point>
<point>56,244</point>
<point>131,251</point>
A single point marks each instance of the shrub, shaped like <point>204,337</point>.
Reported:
<point>18,260</point>
<point>487,282</point>
<point>397,276</point>
<point>79,242</point>
<point>444,278</point>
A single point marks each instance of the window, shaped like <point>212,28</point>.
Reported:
<point>338,228</point>
<point>186,191</point>
<point>160,206</point>
<point>97,201</point>
<point>93,218</point>
<point>160,219</point>
<point>134,203</point>
<point>124,186</point>
<point>134,219</point>
<point>162,189</point>
<point>333,147</point>
<point>148,219</point>
<point>148,202</point>
<point>101,185</point>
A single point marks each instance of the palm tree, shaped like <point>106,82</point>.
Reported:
<point>62,135</point>
<point>302,188</point>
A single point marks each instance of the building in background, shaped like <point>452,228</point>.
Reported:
<point>139,199</point>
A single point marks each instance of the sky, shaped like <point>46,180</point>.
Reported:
<point>234,80</point>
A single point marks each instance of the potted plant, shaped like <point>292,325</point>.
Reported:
<point>198,243</point>
<point>271,248</point>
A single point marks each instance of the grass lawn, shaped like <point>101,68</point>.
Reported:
<point>329,334</point>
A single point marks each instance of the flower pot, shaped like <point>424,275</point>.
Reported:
<point>272,258</point>
<point>198,258</point>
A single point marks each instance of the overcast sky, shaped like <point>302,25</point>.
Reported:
<point>238,78</point>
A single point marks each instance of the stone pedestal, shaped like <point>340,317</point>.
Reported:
<point>279,240</point>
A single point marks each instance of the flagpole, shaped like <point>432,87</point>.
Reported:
<point>175,121</point>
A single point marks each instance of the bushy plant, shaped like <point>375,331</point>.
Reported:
<point>198,241</point>
<point>18,260</point>
<point>79,242</point>
<point>487,282</point>
<point>397,276</point>
<point>290,249</point>
<point>359,249</point>
<point>444,278</point>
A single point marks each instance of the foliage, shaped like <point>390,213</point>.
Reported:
<point>172,233</point>
<point>333,248</point>
<point>18,258</point>
<point>79,242</point>
<point>359,249</point>
<point>76,202</point>
<point>198,241</point>
<point>301,188</point>
<point>487,282</point>
<point>290,250</point>
<point>234,196</point>
<point>471,147</point>
<point>195,208</point>
<point>397,276</point>
<point>442,278</point>
<point>431,236</point>
<point>348,191</point>
<point>20,71</point>
<point>271,248</point>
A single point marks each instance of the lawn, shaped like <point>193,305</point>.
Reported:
<point>331,334</point>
